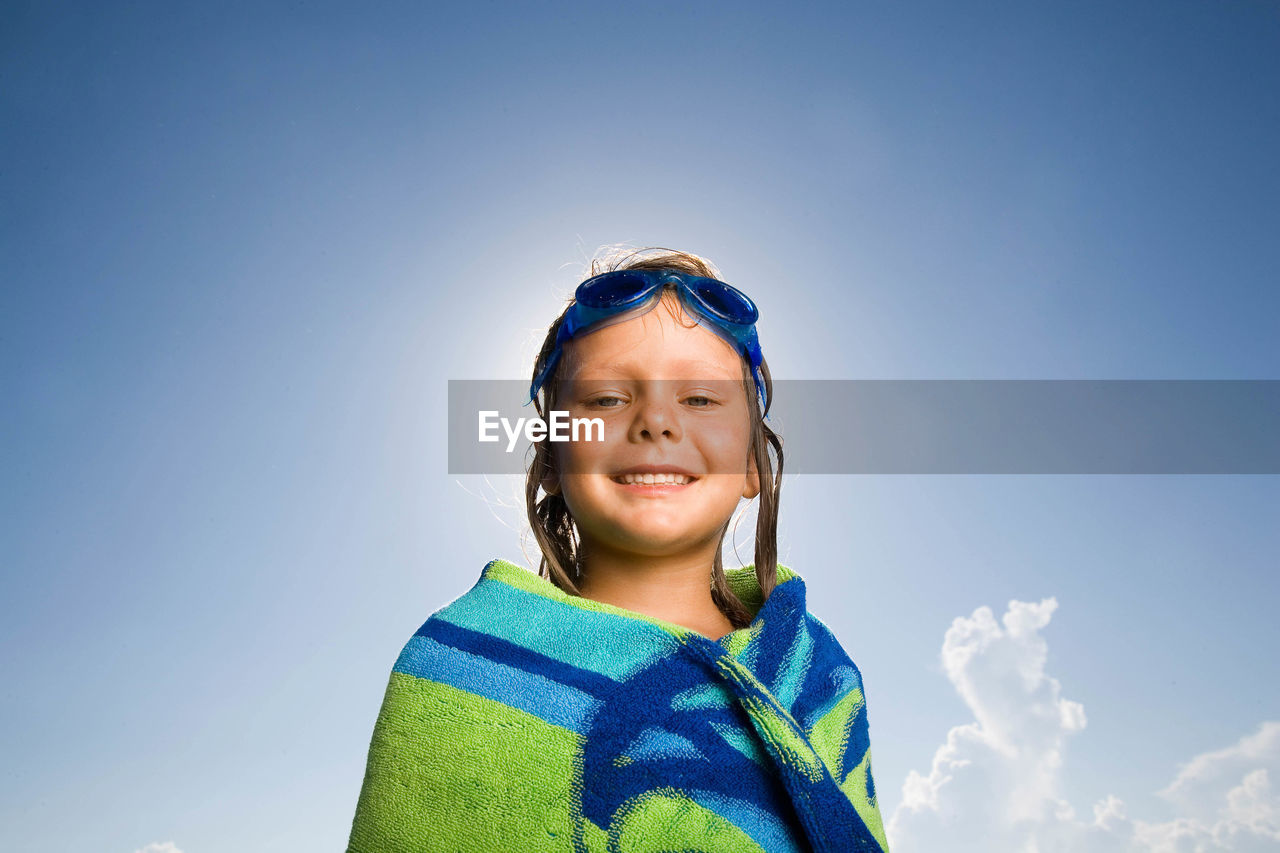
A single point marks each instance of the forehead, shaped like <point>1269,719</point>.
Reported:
<point>664,340</point>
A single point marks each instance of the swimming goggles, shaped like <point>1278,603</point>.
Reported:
<point>615,296</point>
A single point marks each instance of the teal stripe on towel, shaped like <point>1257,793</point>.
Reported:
<point>654,744</point>
<point>583,638</point>
<point>795,666</point>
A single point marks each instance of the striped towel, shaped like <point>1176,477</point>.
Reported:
<point>522,718</point>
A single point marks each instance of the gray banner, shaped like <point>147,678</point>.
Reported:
<point>855,426</point>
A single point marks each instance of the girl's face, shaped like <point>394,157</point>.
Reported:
<point>670,394</point>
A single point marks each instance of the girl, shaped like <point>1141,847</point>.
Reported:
<point>633,695</point>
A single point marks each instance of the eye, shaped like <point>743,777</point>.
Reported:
<point>602,402</point>
<point>706,402</point>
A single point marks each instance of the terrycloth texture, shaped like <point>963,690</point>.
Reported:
<point>521,718</point>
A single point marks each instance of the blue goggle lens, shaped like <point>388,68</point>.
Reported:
<point>613,290</point>
<point>727,303</point>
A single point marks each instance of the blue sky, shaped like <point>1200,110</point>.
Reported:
<point>245,247</point>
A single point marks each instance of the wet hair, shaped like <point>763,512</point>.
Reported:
<point>553,524</point>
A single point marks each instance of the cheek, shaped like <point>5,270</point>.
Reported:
<point>573,457</point>
<point>578,497</point>
<point>726,447</point>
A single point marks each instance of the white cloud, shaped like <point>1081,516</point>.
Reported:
<point>159,847</point>
<point>994,785</point>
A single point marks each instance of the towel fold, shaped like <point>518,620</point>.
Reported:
<point>522,718</point>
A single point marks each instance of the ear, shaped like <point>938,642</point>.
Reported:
<point>551,483</point>
<point>753,480</point>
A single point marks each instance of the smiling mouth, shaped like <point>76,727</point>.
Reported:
<point>663,479</point>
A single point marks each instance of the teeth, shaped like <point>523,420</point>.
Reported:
<point>654,479</point>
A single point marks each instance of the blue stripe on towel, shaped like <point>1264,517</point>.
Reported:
<point>831,675</point>
<point>858,743</point>
<point>782,613</point>
<point>841,679</point>
<point>558,704</point>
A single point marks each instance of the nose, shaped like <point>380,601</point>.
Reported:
<point>656,416</point>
